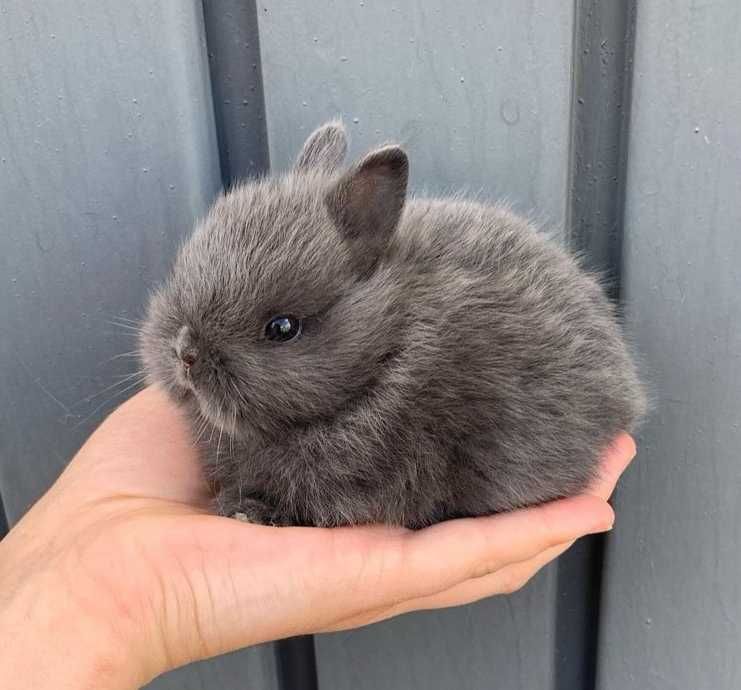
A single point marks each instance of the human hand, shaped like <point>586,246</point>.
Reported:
<point>119,573</point>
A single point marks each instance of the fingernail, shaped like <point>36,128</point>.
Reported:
<point>607,522</point>
<point>610,522</point>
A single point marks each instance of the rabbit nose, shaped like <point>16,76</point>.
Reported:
<point>189,358</point>
<point>185,348</point>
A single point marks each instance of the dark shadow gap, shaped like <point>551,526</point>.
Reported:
<point>600,112</point>
<point>579,590</point>
<point>602,65</point>
<point>3,519</point>
<point>233,44</point>
<point>297,663</point>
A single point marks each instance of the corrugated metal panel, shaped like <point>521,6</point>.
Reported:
<point>478,93</point>
<point>108,154</point>
<point>672,591</point>
<point>113,138</point>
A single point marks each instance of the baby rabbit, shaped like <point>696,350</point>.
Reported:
<point>348,355</point>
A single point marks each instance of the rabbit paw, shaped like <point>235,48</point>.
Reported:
<point>258,513</point>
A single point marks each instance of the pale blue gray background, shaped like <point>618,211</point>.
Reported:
<point>120,121</point>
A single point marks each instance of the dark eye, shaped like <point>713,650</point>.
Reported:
<point>281,329</point>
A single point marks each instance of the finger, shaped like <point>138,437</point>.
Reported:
<point>393,571</point>
<point>510,578</point>
<point>615,460</point>
<point>505,581</point>
<point>443,555</point>
<point>379,567</point>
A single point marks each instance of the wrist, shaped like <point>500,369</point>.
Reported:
<point>50,641</point>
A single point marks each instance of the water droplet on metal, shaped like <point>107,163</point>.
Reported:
<point>510,111</point>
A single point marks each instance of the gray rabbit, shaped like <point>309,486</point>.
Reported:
<point>348,355</point>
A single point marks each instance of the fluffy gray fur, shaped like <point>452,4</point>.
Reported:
<point>453,361</point>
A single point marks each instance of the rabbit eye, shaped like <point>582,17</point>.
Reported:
<point>282,329</point>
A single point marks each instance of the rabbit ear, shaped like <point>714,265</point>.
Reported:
<point>325,148</point>
<point>367,201</point>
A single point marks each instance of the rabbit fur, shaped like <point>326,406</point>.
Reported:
<point>452,361</point>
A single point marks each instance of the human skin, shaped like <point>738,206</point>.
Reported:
<point>119,573</point>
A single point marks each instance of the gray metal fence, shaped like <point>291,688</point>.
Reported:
<point>617,123</point>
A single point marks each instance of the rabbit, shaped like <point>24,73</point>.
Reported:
<point>348,355</point>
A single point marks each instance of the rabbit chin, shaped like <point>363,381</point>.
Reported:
<point>223,419</point>
<point>185,391</point>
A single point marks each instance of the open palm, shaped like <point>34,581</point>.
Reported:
<point>126,532</point>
